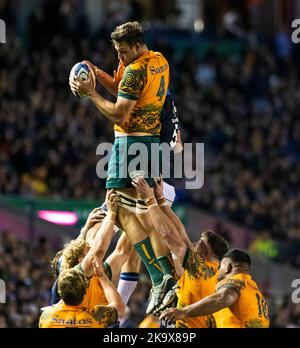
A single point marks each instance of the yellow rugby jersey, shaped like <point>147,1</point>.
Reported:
<point>198,281</point>
<point>249,311</point>
<point>145,80</point>
<point>61,316</point>
<point>94,294</point>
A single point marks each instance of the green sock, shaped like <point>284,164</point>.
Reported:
<point>145,250</point>
<point>107,270</point>
<point>166,265</point>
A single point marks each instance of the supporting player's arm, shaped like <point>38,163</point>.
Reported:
<point>113,297</point>
<point>160,221</point>
<point>158,191</point>
<point>224,298</point>
<point>104,235</point>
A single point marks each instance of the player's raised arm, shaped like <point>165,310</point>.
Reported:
<point>104,235</point>
<point>160,221</point>
<point>113,297</point>
<point>224,298</point>
<point>158,191</point>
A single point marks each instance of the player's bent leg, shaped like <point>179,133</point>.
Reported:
<point>163,255</point>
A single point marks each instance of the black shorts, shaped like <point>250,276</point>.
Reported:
<point>168,134</point>
<point>169,122</point>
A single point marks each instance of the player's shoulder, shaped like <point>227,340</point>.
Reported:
<point>158,55</point>
<point>47,313</point>
<point>136,69</point>
<point>197,266</point>
<point>104,315</point>
<point>235,283</point>
<point>54,307</point>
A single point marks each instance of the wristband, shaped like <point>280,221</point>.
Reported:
<point>149,201</point>
<point>161,201</point>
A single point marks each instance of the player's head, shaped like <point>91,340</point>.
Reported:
<point>128,40</point>
<point>74,252</point>
<point>72,285</point>
<point>212,244</point>
<point>233,259</point>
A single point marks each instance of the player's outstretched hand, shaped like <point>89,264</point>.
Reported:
<point>95,216</point>
<point>173,314</point>
<point>112,199</point>
<point>98,267</point>
<point>142,188</point>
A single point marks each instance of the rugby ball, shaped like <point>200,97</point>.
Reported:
<point>82,72</point>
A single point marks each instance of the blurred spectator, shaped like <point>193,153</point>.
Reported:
<point>264,246</point>
<point>222,231</point>
<point>3,324</point>
<point>28,279</point>
<point>287,314</point>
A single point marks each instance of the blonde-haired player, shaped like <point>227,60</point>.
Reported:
<point>70,313</point>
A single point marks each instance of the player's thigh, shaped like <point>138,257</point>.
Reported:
<point>134,226</point>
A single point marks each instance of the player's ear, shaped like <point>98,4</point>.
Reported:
<point>228,268</point>
<point>137,46</point>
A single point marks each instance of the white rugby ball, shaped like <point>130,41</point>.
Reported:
<point>82,72</point>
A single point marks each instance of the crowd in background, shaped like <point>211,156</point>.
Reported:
<point>23,269</point>
<point>243,107</point>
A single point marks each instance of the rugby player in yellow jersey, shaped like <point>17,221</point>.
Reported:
<point>237,303</point>
<point>78,253</point>
<point>70,313</point>
<point>200,261</point>
<point>142,84</point>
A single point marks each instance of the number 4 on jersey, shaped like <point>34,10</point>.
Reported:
<point>162,89</point>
